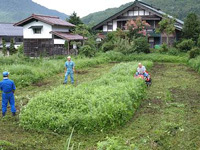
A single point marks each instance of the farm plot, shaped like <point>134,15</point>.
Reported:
<point>99,105</point>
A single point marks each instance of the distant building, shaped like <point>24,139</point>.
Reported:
<point>149,14</point>
<point>46,35</point>
<point>8,32</point>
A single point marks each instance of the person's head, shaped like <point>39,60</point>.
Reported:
<point>140,65</point>
<point>5,74</point>
<point>69,58</point>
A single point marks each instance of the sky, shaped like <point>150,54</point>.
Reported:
<point>81,7</point>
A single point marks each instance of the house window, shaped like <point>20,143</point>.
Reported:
<point>37,30</point>
<point>141,13</point>
<point>110,27</point>
<point>135,13</point>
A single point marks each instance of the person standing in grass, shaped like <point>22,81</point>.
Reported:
<point>8,88</point>
<point>69,70</point>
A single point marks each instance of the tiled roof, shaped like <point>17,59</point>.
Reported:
<point>68,36</point>
<point>137,3</point>
<point>47,19</point>
<point>7,29</point>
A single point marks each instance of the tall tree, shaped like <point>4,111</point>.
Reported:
<point>12,47</point>
<point>166,26</point>
<point>74,19</point>
<point>191,28</point>
<point>4,50</point>
<point>83,30</point>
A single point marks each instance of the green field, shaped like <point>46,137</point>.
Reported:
<point>106,101</point>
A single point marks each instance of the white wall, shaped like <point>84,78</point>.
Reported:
<point>105,28</point>
<point>60,29</point>
<point>45,32</point>
<point>114,25</point>
<point>59,41</point>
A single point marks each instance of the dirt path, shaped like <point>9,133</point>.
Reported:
<point>168,118</point>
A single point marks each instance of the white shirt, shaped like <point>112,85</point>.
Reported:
<point>141,70</point>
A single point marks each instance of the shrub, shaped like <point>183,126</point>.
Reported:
<point>195,63</point>
<point>107,46</point>
<point>102,104</point>
<point>87,51</point>
<point>20,50</point>
<point>141,45</point>
<point>173,51</point>
<point>194,52</point>
<point>164,48</point>
<point>186,45</point>
<point>124,46</point>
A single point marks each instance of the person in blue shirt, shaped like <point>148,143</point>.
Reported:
<point>8,88</point>
<point>69,70</point>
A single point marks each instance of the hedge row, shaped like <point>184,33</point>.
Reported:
<point>101,104</point>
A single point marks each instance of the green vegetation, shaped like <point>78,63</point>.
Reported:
<point>14,11</point>
<point>191,29</point>
<point>95,106</point>
<point>195,63</point>
<point>74,19</point>
<point>95,18</point>
<point>4,49</point>
<point>166,25</point>
<point>114,143</point>
<point>177,8</point>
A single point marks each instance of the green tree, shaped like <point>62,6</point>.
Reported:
<point>12,47</point>
<point>166,26</point>
<point>191,28</point>
<point>4,50</point>
<point>74,19</point>
<point>83,30</point>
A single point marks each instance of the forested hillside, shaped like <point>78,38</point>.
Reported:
<point>16,10</point>
<point>177,8</point>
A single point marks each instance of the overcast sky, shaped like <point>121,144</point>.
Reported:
<point>82,7</point>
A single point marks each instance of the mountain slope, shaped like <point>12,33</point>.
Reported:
<point>16,10</point>
<point>97,17</point>
<point>176,8</point>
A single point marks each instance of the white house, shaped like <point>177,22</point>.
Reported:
<point>46,35</point>
<point>148,13</point>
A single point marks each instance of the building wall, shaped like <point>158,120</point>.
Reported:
<point>105,28</point>
<point>45,32</point>
<point>60,29</point>
<point>59,41</point>
<point>38,47</point>
<point>114,25</point>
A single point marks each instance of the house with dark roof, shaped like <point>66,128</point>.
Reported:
<point>148,13</point>
<point>8,32</point>
<point>46,35</point>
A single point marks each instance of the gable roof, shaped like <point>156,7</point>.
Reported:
<point>68,36</point>
<point>51,20</point>
<point>138,3</point>
<point>7,29</point>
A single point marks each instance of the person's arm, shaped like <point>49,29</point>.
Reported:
<point>13,87</point>
<point>73,67</point>
<point>65,67</point>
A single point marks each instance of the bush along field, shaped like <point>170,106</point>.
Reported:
<point>195,63</point>
<point>26,71</point>
<point>102,104</point>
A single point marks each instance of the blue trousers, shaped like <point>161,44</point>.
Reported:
<point>8,98</point>
<point>145,74</point>
<point>71,77</point>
